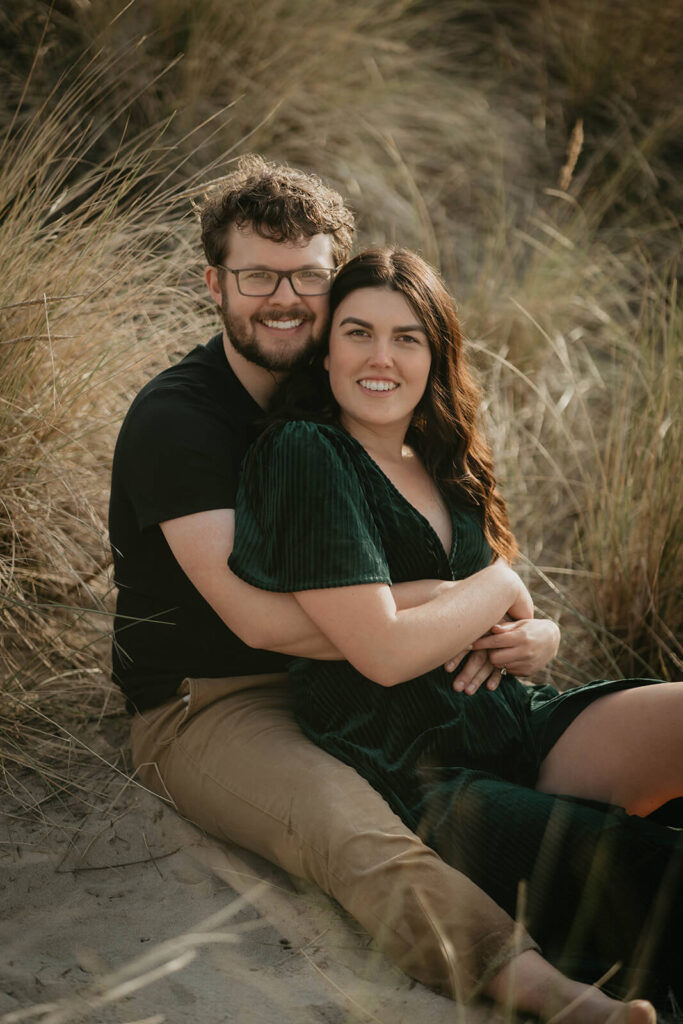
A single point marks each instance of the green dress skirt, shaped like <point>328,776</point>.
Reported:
<point>314,511</point>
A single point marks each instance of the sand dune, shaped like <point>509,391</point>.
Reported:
<point>131,914</point>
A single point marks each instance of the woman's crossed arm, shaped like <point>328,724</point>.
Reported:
<point>389,645</point>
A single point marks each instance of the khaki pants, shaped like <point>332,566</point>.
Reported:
<point>233,760</point>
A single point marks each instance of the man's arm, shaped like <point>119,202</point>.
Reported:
<point>201,544</point>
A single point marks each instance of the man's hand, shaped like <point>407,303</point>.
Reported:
<point>522,647</point>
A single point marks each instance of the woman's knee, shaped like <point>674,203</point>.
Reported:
<point>624,749</point>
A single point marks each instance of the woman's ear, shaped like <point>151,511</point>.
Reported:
<point>326,363</point>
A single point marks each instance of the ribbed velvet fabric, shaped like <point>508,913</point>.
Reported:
<point>304,520</point>
<point>314,510</point>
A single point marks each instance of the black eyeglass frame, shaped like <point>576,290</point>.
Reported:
<point>330,271</point>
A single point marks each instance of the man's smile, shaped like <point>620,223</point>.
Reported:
<point>283,325</point>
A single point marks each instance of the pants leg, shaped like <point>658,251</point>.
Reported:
<point>233,761</point>
<point>601,886</point>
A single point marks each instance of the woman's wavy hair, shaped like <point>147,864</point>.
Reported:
<point>444,429</point>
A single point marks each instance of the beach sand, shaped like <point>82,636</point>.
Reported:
<point>128,913</point>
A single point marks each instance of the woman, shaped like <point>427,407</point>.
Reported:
<point>382,477</point>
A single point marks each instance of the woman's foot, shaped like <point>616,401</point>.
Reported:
<point>528,983</point>
<point>594,1007</point>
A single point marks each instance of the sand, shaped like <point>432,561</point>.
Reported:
<point>125,912</point>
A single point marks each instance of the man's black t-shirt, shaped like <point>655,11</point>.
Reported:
<point>178,452</point>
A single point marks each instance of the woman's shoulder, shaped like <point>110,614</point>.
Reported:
<point>303,462</point>
<point>305,439</point>
<point>303,431</point>
<point>299,455</point>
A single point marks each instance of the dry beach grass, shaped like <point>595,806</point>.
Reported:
<point>516,145</point>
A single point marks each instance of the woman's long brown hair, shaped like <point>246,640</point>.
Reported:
<point>445,429</point>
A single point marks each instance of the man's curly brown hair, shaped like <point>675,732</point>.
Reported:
<point>276,201</point>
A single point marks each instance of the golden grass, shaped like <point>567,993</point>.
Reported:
<point>582,351</point>
<point>84,319</point>
<point>448,129</point>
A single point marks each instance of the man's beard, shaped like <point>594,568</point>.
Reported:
<point>242,335</point>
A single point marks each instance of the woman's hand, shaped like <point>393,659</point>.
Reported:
<point>477,670</point>
<point>480,667</point>
<point>522,647</point>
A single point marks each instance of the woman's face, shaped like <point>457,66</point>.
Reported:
<point>379,359</point>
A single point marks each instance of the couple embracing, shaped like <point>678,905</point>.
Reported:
<point>319,632</point>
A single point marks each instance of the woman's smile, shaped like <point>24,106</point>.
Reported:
<point>378,386</point>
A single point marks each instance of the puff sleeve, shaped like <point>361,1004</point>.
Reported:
<point>302,519</point>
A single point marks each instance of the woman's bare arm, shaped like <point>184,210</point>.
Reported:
<point>391,645</point>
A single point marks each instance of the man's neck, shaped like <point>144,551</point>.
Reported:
<point>259,382</point>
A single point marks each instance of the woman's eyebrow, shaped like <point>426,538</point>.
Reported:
<point>396,330</point>
<point>355,320</point>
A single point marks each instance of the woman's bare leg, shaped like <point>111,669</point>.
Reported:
<point>529,984</point>
<point>625,749</point>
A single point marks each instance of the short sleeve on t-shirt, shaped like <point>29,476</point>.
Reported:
<point>302,520</point>
<point>176,460</point>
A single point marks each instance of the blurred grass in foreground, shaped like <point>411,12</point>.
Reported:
<point>448,130</point>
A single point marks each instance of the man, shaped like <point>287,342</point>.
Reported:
<point>201,656</point>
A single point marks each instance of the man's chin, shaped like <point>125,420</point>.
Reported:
<point>278,356</point>
<point>273,360</point>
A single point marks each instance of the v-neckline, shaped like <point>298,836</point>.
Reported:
<point>448,555</point>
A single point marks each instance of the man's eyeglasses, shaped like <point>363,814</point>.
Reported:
<point>310,281</point>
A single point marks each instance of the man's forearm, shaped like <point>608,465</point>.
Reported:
<point>295,634</point>
<point>276,622</point>
<point>201,544</point>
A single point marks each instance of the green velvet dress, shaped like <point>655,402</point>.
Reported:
<point>314,510</point>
